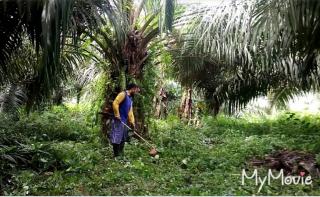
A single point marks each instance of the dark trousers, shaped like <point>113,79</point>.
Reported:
<point>118,149</point>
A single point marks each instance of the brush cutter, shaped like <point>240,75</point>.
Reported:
<point>153,151</point>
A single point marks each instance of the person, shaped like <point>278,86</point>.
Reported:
<point>123,113</point>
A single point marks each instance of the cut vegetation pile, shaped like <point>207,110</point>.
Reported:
<point>291,162</point>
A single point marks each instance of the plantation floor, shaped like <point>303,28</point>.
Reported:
<point>193,161</point>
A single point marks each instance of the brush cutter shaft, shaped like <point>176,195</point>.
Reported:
<point>137,134</point>
<point>142,139</point>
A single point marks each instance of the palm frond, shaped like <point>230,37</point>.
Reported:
<point>256,45</point>
<point>11,99</point>
<point>47,24</point>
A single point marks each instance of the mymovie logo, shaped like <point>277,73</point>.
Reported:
<point>267,180</point>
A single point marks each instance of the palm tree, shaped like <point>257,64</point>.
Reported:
<point>125,38</point>
<point>256,45</point>
<point>49,25</point>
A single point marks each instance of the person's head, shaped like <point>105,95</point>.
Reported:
<point>133,89</point>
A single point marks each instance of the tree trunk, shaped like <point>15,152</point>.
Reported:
<point>186,105</point>
<point>157,113</point>
<point>111,91</point>
<point>140,118</point>
<point>182,104</point>
<point>122,79</point>
<point>107,111</point>
<point>78,95</point>
<point>161,104</point>
<point>215,106</point>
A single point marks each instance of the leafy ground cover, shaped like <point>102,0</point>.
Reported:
<point>68,157</point>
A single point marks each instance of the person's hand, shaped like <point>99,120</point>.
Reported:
<point>117,117</point>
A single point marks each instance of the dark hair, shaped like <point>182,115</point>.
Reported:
<point>132,85</point>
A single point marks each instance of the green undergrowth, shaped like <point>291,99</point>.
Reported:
<point>192,161</point>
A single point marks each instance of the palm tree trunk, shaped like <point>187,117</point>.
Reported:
<point>111,91</point>
<point>78,95</point>
<point>160,103</point>
<point>122,79</point>
<point>186,105</point>
<point>140,118</point>
<point>215,106</point>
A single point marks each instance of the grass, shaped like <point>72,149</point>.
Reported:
<point>193,161</point>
